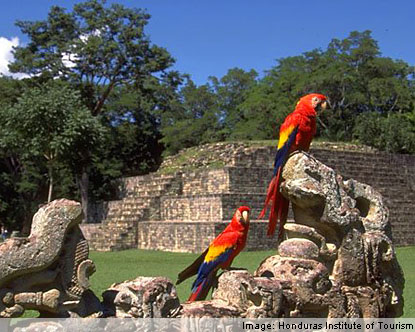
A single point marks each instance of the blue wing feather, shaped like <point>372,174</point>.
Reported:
<point>207,267</point>
<point>282,153</point>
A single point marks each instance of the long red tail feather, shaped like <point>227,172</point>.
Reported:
<point>270,193</point>
<point>203,289</point>
<point>194,296</point>
<point>282,214</point>
<point>279,205</point>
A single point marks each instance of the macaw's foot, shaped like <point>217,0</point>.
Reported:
<point>295,152</point>
<point>308,155</point>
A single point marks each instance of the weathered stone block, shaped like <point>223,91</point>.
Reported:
<point>143,297</point>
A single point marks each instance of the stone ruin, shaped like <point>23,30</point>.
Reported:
<point>338,261</point>
<point>49,270</point>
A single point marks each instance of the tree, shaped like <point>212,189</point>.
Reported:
<point>351,72</point>
<point>10,90</point>
<point>359,80</point>
<point>205,113</point>
<point>192,120</point>
<point>95,48</point>
<point>394,133</point>
<point>49,122</point>
<point>133,117</point>
<point>231,91</point>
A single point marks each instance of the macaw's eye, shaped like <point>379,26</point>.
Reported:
<point>315,101</point>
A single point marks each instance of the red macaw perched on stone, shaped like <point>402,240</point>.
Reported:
<point>296,133</point>
<point>219,254</point>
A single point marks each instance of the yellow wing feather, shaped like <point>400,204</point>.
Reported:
<point>215,251</point>
<point>284,134</point>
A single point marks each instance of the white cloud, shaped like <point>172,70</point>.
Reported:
<point>6,56</point>
<point>67,60</point>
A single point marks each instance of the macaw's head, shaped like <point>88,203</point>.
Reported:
<point>242,214</point>
<point>316,101</point>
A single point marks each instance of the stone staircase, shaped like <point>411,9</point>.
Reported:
<point>110,236</point>
<point>184,211</point>
<point>139,200</point>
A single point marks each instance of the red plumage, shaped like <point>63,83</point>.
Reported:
<point>220,254</point>
<point>296,133</point>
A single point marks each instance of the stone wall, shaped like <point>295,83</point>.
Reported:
<point>115,236</point>
<point>203,182</point>
<point>164,212</point>
<point>191,208</point>
<point>182,236</point>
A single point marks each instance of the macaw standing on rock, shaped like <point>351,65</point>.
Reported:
<point>219,254</point>
<point>296,133</point>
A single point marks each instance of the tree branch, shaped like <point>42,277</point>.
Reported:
<point>100,103</point>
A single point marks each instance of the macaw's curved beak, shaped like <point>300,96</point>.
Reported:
<point>324,104</point>
<point>245,217</point>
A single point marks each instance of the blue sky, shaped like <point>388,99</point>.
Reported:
<point>209,37</point>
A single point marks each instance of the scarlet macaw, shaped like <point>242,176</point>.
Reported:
<point>296,133</point>
<point>220,254</point>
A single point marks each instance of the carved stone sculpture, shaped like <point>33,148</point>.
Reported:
<point>48,271</point>
<point>339,260</point>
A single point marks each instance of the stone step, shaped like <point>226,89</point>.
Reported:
<point>131,201</point>
<point>152,185</point>
<point>127,203</point>
<point>374,175</point>
<point>148,182</point>
<point>152,190</point>
<point>144,193</point>
<point>127,213</point>
<point>115,214</point>
<point>148,177</point>
<point>148,186</point>
<point>129,218</point>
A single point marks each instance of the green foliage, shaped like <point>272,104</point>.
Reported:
<point>206,113</point>
<point>10,89</point>
<point>392,133</point>
<point>94,46</point>
<point>49,121</point>
<point>231,91</point>
<point>43,133</point>
<point>262,110</point>
<point>191,121</point>
<point>23,182</point>
<point>132,145</point>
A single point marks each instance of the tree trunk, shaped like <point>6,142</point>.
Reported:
<point>83,184</point>
<point>50,174</point>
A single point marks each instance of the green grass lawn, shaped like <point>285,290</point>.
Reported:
<point>119,266</point>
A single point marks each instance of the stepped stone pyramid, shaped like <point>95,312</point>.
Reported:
<point>186,208</point>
